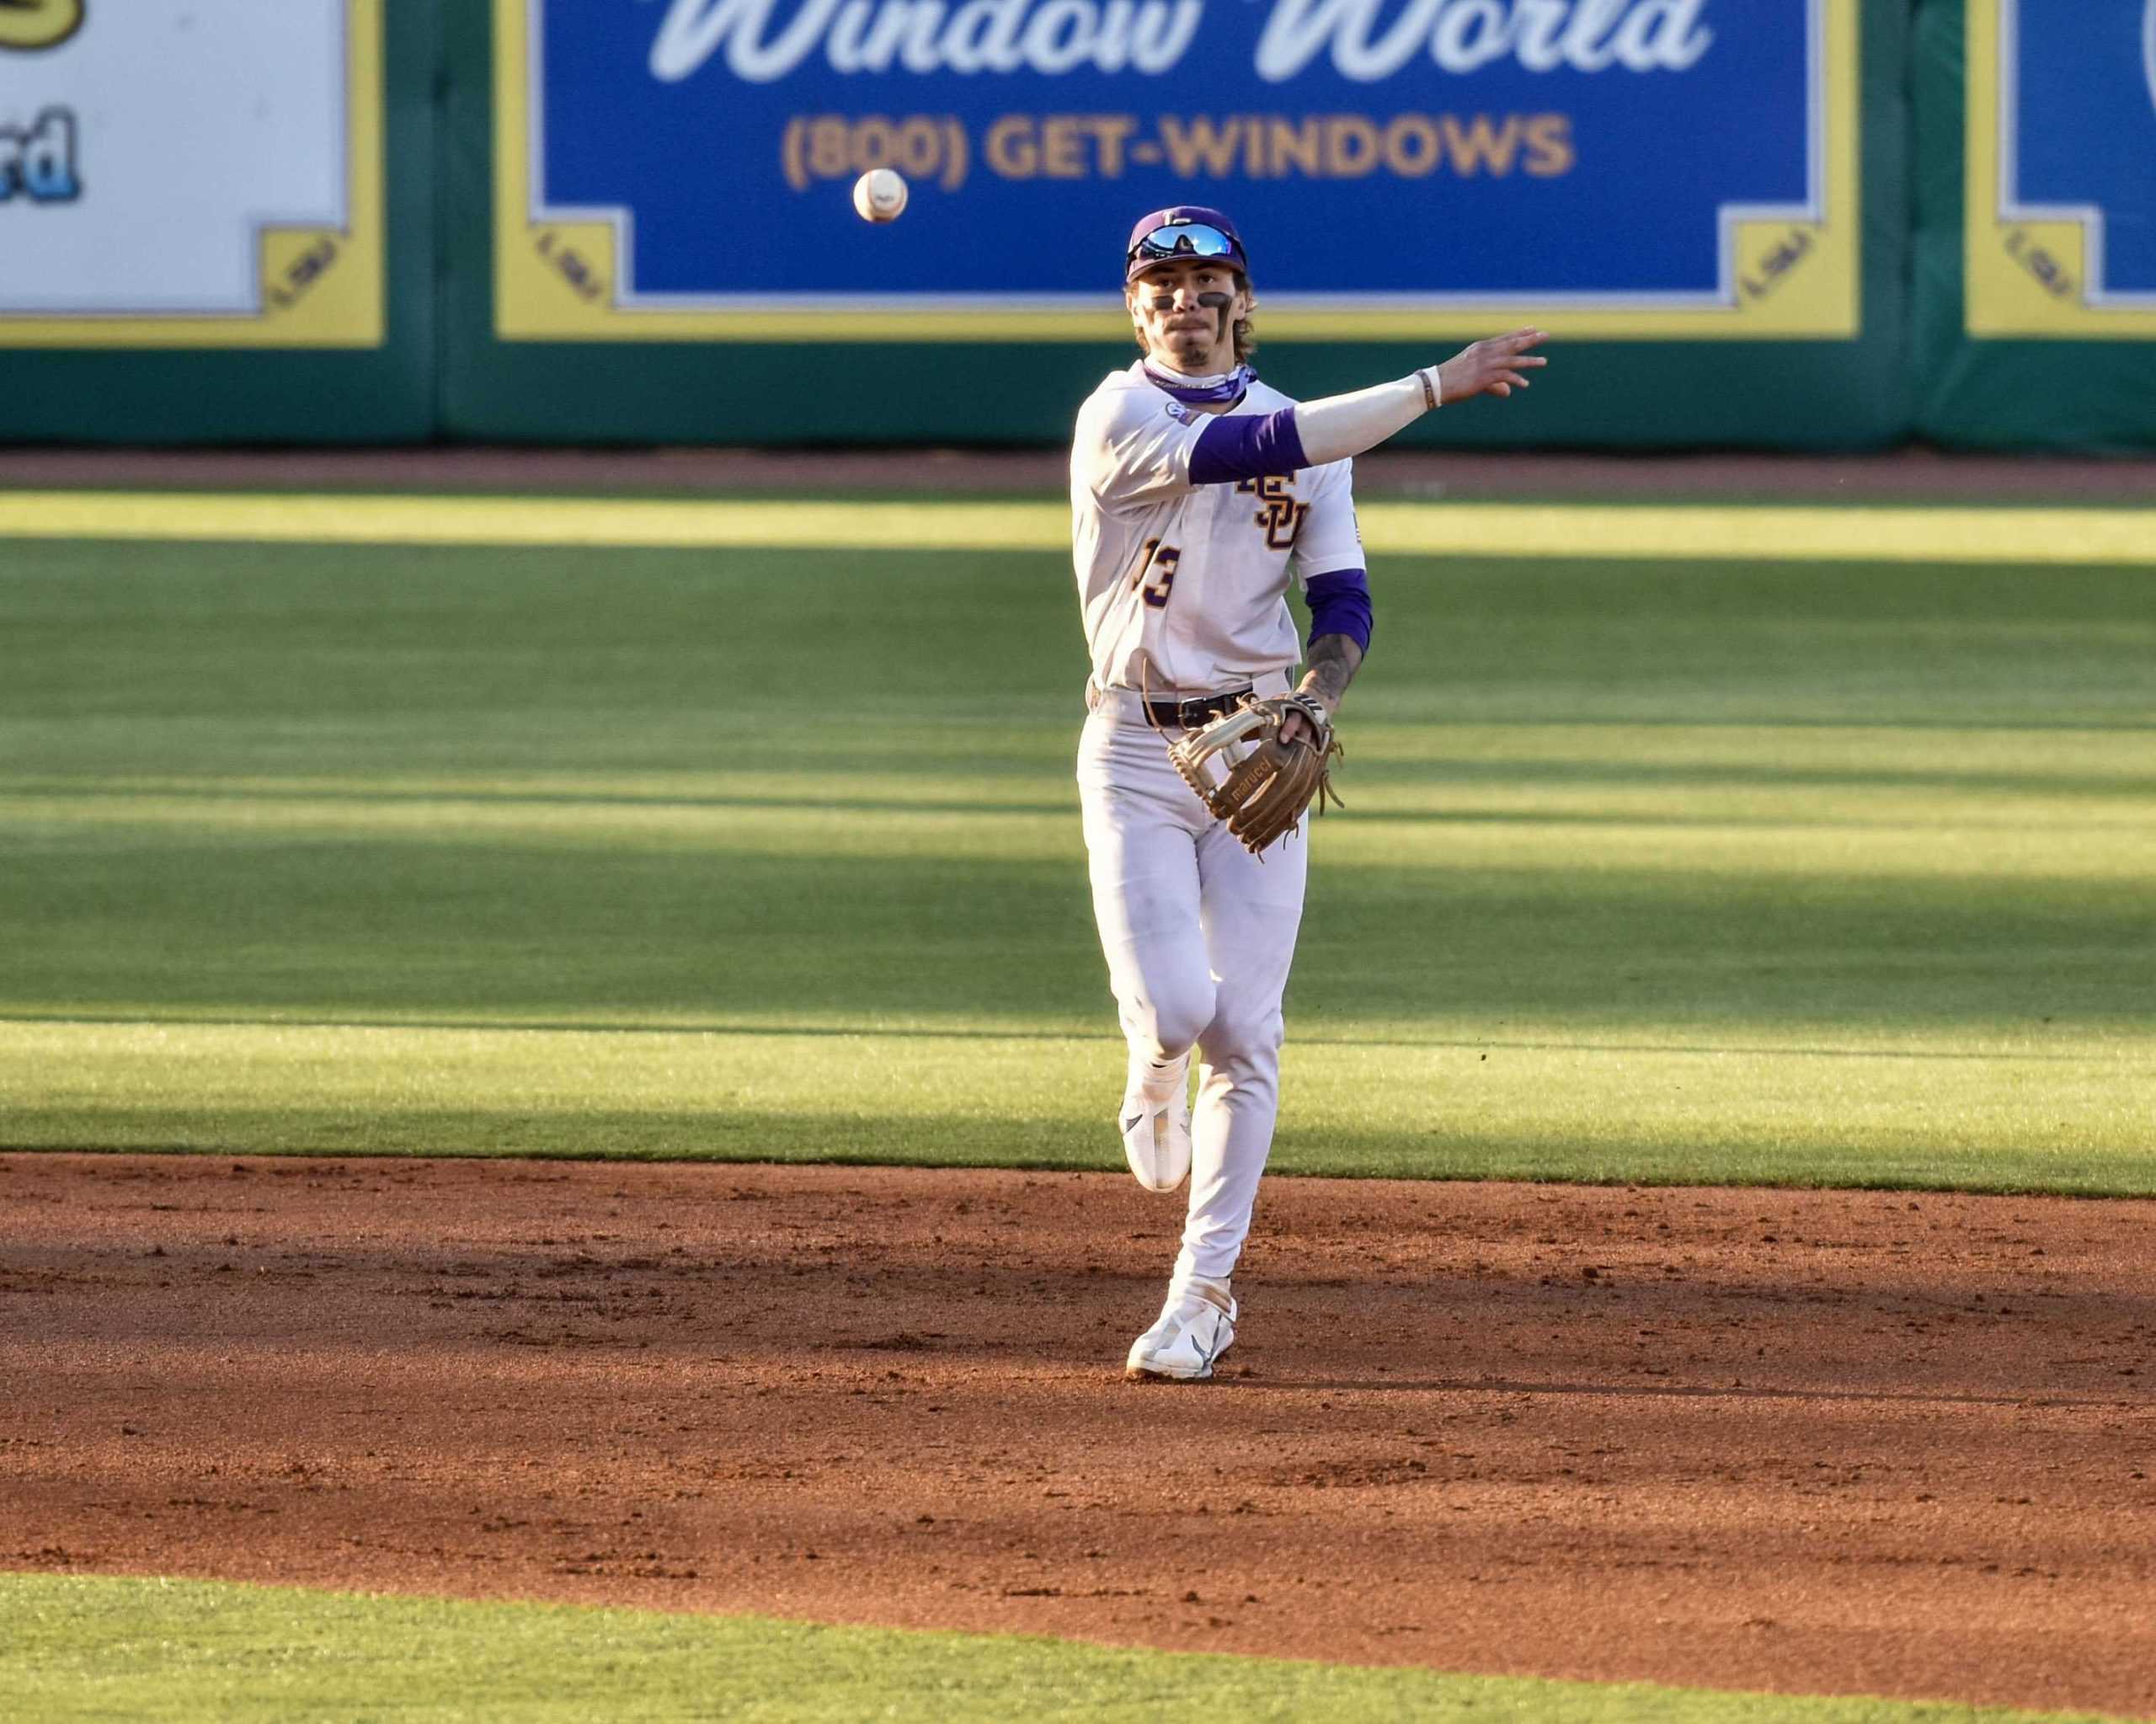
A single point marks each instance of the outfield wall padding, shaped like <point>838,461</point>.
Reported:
<point>2050,344</point>
<point>2074,377</point>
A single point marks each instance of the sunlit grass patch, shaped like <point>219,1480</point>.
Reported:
<point>162,1651</point>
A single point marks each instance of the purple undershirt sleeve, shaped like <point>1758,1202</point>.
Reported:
<point>1340,604</point>
<point>1246,446</point>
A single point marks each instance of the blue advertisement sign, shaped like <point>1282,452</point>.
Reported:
<point>683,168</point>
<point>2062,152</point>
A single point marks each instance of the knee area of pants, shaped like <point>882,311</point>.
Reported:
<point>1233,1037</point>
<point>1179,1020</point>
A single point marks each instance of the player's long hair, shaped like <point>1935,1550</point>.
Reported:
<point>1246,331</point>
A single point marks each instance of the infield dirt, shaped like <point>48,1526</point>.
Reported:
<point>1820,1442</point>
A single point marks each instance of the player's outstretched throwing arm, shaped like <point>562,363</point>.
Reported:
<point>1138,450</point>
<point>1338,426</point>
<point>1342,425</point>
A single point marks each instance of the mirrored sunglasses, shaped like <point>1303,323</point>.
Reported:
<point>1183,239</point>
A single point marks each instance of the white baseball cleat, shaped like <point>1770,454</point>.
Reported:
<point>1156,1131</point>
<point>1194,1331</point>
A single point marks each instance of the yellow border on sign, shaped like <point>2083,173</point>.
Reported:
<point>321,286</point>
<point>554,281</point>
<point>2022,278</point>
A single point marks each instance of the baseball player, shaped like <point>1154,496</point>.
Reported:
<point>1197,493</point>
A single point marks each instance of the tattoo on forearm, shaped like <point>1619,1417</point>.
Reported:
<point>1333,661</point>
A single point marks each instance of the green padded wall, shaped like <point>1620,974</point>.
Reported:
<point>2093,392</point>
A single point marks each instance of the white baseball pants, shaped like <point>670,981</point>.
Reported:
<point>1199,935</point>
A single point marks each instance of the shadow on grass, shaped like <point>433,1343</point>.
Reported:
<point>943,753</point>
<point>238,792</point>
<point>1388,1040</point>
<point>133,923</point>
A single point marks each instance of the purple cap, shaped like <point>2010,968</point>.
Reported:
<point>1138,256</point>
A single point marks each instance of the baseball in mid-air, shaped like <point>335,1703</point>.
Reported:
<point>880,194</point>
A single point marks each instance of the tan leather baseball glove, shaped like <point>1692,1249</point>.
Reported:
<point>1250,778</point>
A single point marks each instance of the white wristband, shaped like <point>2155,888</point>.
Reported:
<point>1434,395</point>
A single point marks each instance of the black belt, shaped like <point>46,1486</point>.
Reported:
<point>1196,714</point>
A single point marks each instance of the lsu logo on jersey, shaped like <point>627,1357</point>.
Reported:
<point>28,25</point>
<point>1278,512</point>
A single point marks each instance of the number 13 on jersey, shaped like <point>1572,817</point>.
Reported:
<point>1158,560</point>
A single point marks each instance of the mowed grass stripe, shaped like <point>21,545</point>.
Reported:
<point>163,1652</point>
<point>2042,537</point>
<point>1427,1100</point>
<point>1735,872</point>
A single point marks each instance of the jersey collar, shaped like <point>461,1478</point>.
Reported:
<point>1229,387</point>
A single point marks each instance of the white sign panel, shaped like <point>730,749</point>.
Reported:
<point>191,172</point>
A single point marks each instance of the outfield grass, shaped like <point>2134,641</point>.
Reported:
<point>1831,872</point>
<point>160,1652</point>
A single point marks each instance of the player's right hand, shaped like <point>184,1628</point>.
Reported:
<point>1494,367</point>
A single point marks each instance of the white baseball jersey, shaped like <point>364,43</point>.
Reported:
<point>1183,587</point>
